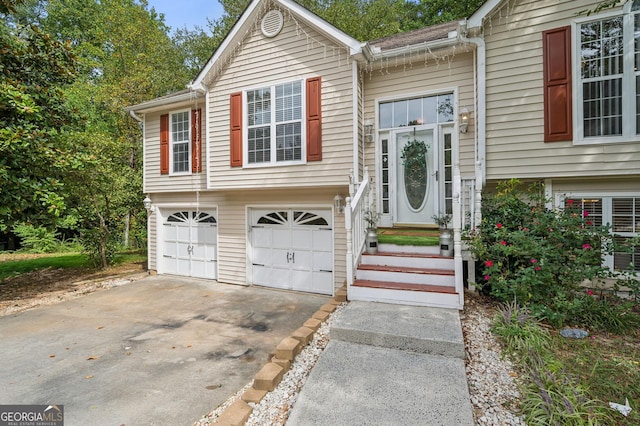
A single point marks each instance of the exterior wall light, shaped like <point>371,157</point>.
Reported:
<point>368,130</point>
<point>463,124</point>
<point>338,203</point>
<point>147,204</point>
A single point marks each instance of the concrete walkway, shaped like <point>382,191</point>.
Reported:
<point>388,365</point>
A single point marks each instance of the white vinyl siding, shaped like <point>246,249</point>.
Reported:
<point>290,57</point>
<point>515,116</point>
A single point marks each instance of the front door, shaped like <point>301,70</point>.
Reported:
<point>416,188</point>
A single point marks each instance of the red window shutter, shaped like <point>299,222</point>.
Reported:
<point>236,129</point>
<point>314,119</point>
<point>196,140</point>
<point>164,144</point>
<point>556,51</point>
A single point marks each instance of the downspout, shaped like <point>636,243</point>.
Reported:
<point>356,123</point>
<point>136,117</point>
<point>481,110</point>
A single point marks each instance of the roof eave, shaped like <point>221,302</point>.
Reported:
<point>377,54</point>
<point>155,104</point>
<point>476,20</point>
<point>323,26</point>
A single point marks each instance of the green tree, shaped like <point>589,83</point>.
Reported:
<point>127,57</point>
<point>34,70</point>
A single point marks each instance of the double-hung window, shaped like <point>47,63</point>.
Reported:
<point>274,124</point>
<point>180,142</point>
<point>608,76</point>
<point>622,213</point>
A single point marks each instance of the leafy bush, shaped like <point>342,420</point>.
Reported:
<point>36,239</point>
<point>100,247</point>
<point>541,257</point>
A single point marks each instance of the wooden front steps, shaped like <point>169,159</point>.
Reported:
<point>406,275</point>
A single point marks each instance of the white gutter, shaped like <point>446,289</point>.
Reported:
<point>374,53</point>
<point>155,103</point>
<point>481,110</point>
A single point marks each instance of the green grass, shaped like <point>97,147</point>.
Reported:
<point>408,240</point>
<point>409,236</point>
<point>130,256</point>
<point>571,381</point>
<point>608,366</point>
<point>11,268</point>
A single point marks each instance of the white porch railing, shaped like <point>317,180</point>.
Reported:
<point>358,202</point>
<point>458,218</point>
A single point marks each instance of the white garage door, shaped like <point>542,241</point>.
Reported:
<point>293,249</point>
<point>189,244</point>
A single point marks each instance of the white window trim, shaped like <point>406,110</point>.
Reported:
<point>171,144</point>
<point>303,126</point>
<point>628,82</point>
<point>607,208</point>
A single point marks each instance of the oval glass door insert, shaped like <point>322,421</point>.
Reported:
<point>415,175</point>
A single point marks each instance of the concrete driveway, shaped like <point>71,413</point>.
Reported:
<point>159,351</point>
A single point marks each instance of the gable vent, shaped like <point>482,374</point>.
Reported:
<point>272,23</point>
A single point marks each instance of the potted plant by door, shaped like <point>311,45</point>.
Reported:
<point>446,241</point>
<point>371,242</point>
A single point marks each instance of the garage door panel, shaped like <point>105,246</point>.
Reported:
<point>322,240</point>
<point>183,233</point>
<point>204,234</point>
<point>301,246</point>
<point>322,282</point>
<point>322,261</point>
<point>183,249</point>
<point>190,244</point>
<point>262,237</point>
<point>280,258</point>
<point>302,239</point>
<point>261,275</point>
<point>302,260</point>
<point>262,256</point>
<point>301,281</point>
<point>170,232</point>
<point>170,249</point>
<point>281,239</point>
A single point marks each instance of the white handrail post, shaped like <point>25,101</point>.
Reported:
<point>457,237</point>
<point>349,225</point>
<point>478,195</point>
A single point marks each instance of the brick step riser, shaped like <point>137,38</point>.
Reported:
<point>409,262</point>
<point>405,277</point>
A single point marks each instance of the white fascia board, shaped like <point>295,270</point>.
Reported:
<point>320,24</point>
<point>155,104</point>
<point>323,26</point>
<point>476,19</point>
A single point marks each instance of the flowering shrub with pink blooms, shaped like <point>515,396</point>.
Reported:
<point>536,256</point>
